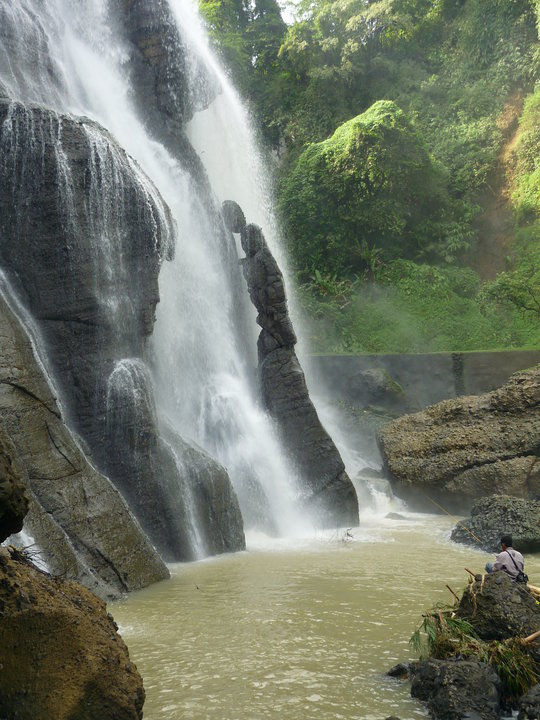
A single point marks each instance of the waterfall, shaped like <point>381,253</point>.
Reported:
<point>196,376</point>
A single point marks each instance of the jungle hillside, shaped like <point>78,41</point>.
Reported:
<point>405,138</point>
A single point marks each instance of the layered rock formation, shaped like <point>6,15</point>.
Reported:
<point>61,657</point>
<point>327,489</point>
<point>499,515</point>
<point>77,518</point>
<point>460,450</point>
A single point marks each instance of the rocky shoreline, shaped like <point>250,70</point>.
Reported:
<point>480,659</point>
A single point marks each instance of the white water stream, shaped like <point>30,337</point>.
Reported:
<point>203,351</point>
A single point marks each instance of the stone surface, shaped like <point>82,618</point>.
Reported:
<point>327,491</point>
<point>499,608</point>
<point>60,655</point>
<point>460,450</point>
<point>492,517</point>
<point>529,704</point>
<point>76,516</point>
<point>13,497</point>
<point>101,232</point>
<point>454,690</point>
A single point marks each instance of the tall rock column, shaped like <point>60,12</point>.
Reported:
<point>328,491</point>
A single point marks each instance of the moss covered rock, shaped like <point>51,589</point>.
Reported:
<point>372,184</point>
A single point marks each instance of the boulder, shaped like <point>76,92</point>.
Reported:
<point>458,451</point>
<point>529,704</point>
<point>499,515</point>
<point>326,489</point>
<point>79,520</point>
<point>457,689</point>
<point>61,657</point>
<point>499,608</point>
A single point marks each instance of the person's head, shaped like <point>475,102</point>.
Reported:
<point>506,541</point>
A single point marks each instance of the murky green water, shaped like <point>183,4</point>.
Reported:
<point>295,629</point>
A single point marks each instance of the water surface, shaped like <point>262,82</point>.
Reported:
<point>303,628</point>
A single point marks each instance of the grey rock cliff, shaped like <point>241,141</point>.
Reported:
<point>458,451</point>
<point>77,517</point>
<point>75,200</point>
<point>327,490</point>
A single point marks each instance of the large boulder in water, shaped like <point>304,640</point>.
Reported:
<point>499,515</point>
<point>458,451</point>
<point>61,657</point>
<point>78,519</point>
<point>462,689</point>
<point>499,608</point>
<point>326,489</point>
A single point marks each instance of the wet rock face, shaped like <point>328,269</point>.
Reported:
<point>326,488</point>
<point>501,515</point>
<point>61,655</point>
<point>13,497</point>
<point>499,608</point>
<point>458,451</point>
<point>77,518</point>
<point>457,689</point>
<point>76,217</point>
<point>165,68</point>
<point>83,234</point>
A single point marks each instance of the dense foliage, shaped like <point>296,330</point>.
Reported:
<point>371,185</point>
<point>396,124</point>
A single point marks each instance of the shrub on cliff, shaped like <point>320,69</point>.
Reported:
<point>372,184</point>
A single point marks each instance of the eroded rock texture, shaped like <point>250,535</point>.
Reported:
<point>458,451</point>
<point>327,489</point>
<point>76,516</point>
<point>61,657</point>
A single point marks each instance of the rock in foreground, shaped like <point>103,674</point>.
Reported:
<point>499,608</point>
<point>457,689</point>
<point>491,517</point>
<point>458,451</point>
<point>60,654</point>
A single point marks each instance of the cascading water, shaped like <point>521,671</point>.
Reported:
<point>202,351</point>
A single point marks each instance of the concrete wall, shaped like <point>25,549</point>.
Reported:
<point>425,379</point>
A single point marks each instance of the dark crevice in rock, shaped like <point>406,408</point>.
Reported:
<point>51,436</point>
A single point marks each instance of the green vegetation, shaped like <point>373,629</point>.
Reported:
<point>414,308</point>
<point>371,185</point>
<point>408,132</point>
<point>443,635</point>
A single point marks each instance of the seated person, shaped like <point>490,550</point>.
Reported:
<point>509,560</point>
